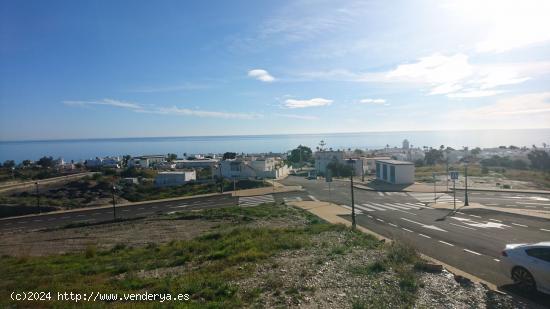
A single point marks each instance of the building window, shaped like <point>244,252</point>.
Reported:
<point>377,170</point>
<point>392,174</point>
<point>385,171</point>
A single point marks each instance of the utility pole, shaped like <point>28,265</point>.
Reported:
<point>435,195</point>
<point>221,178</point>
<point>37,196</point>
<point>466,203</point>
<point>234,184</point>
<point>362,170</point>
<point>114,203</point>
<point>454,195</point>
<point>447,167</point>
<point>352,202</point>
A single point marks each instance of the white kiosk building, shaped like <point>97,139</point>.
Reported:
<point>395,172</point>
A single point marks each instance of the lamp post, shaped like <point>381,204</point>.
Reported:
<point>466,202</point>
<point>114,202</point>
<point>37,196</point>
<point>352,198</point>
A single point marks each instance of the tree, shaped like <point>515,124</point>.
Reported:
<point>171,157</point>
<point>513,147</point>
<point>433,156</point>
<point>125,160</point>
<point>229,155</point>
<point>301,154</point>
<point>339,170</point>
<point>358,152</point>
<point>26,163</point>
<point>45,162</point>
<point>476,151</point>
<point>9,163</point>
<point>539,160</point>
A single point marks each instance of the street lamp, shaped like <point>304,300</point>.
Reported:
<point>466,203</point>
<point>37,196</point>
<point>352,197</point>
<point>114,203</point>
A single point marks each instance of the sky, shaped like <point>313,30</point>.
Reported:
<point>106,69</point>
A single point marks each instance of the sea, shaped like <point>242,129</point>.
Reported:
<point>82,149</point>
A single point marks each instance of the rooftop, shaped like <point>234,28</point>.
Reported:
<point>395,162</point>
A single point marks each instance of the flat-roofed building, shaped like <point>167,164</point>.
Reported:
<point>395,172</point>
<point>166,179</point>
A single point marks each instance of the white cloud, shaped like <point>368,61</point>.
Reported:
<point>201,113</point>
<point>139,108</point>
<point>109,102</point>
<point>261,75</point>
<point>294,116</point>
<point>292,103</point>
<point>521,106</point>
<point>455,77</point>
<point>372,101</point>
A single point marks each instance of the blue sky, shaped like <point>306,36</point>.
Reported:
<point>85,69</point>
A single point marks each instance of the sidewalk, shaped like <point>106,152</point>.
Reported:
<point>505,190</point>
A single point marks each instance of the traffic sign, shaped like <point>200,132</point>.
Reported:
<point>454,175</point>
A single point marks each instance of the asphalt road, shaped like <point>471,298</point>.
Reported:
<point>55,220</point>
<point>470,240</point>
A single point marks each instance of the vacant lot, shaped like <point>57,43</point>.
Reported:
<point>272,255</point>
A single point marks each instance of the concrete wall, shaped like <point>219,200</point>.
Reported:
<point>395,173</point>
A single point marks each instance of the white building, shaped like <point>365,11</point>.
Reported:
<point>406,144</point>
<point>166,179</point>
<point>325,157</point>
<point>146,161</point>
<point>252,168</point>
<point>371,163</point>
<point>395,172</point>
<point>199,163</point>
<point>112,162</point>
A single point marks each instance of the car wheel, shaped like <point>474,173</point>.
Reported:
<point>523,278</point>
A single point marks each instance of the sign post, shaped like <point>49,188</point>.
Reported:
<point>454,177</point>
<point>435,195</point>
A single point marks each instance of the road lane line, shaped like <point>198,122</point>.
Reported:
<point>531,206</point>
<point>470,228</point>
<point>380,220</point>
<point>517,224</point>
<point>496,260</point>
<point>380,193</point>
<point>406,230</point>
<point>313,198</point>
<point>474,216</point>
<point>472,252</point>
<point>424,235</point>
<point>392,224</point>
<point>545,230</point>
<point>370,216</point>
<point>526,203</point>
<point>495,220</point>
<point>448,244</point>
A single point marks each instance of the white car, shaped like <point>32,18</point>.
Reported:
<point>528,265</point>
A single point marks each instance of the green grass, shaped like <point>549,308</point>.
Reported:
<point>211,261</point>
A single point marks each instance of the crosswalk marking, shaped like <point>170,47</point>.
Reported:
<point>292,199</point>
<point>356,211</point>
<point>380,193</point>
<point>255,200</point>
<point>429,197</point>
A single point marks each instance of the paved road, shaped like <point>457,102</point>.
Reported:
<point>471,240</point>
<point>54,220</point>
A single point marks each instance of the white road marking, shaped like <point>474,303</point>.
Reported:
<point>517,224</point>
<point>472,252</point>
<point>470,228</point>
<point>80,215</point>
<point>495,220</point>
<point>377,208</point>
<point>496,260</point>
<point>545,230</point>
<point>380,220</point>
<point>313,198</point>
<point>406,230</point>
<point>38,220</point>
<point>432,227</point>
<point>364,208</point>
<point>474,216</point>
<point>370,216</point>
<point>424,235</point>
<point>489,224</point>
<point>392,224</point>
<point>526,203</point>
<point>125,210</point>
<point>380,193</point>
<point>448,244</point>
<point>531,206</point>
<point>96,214</point>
